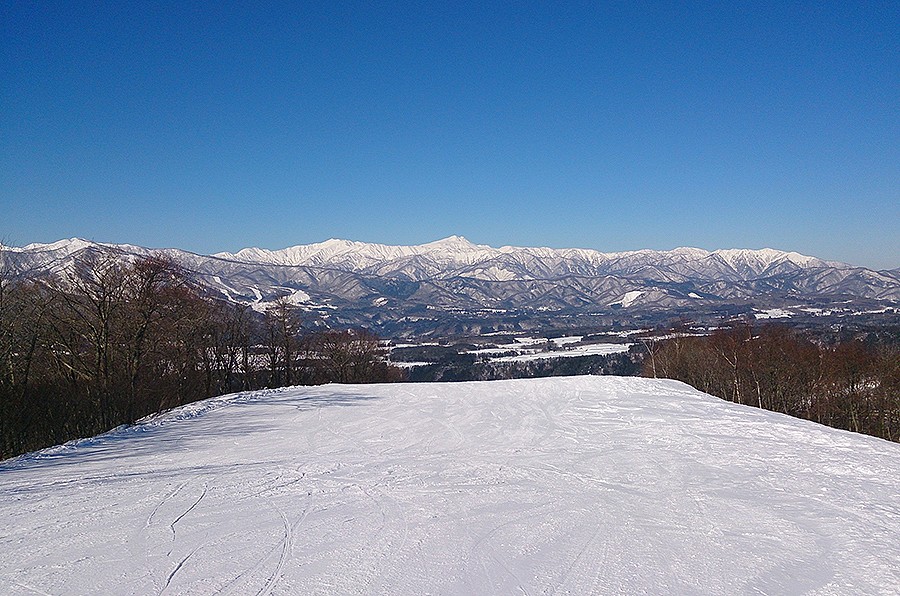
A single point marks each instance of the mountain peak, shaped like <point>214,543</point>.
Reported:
<point>66,246</point>
<point>453,242</point>
<point>764,257</point>
<point>454,275</point>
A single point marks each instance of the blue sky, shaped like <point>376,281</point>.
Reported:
<point>615,126</point>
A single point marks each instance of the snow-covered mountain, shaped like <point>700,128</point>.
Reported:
<point>377,284</point>
<point>579,485</point>
<point>457,257</point>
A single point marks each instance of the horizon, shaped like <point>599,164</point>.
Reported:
<point>445,240</point>
<point>608,128</point>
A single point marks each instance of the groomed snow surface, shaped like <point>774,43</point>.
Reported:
<point>550,486</point>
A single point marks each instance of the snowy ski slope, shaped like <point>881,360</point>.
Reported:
<point>551,486</point>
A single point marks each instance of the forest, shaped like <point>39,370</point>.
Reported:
<point>851,384</point>
<point>450,365</point>
<point>109,342</point>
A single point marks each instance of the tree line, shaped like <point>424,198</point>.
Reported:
<point>853,385</point>
<point>465,369</point>
<point>108,342</point>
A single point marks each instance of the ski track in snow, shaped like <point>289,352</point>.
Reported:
<point>547,486</point>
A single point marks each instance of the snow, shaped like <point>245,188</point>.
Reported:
<point>297,297</point>
<point>68,246</point>
<point>773,313</point>
<point>566,340</point>
<point>587,350</point>
<point>227,290</point>
<point>628,298</point>
<point>527,349</point>
<point>294,297</point>
<point>530,341</point>
<point>763,258</point>
<point>492,273</point>
<point>456,251</point>
<point>876,311</point>
<point>359,255</point>
<point>568,486</point>
<point>630,332</point>
<point>491,351</point>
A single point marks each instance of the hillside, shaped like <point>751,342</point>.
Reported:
<point>455,286</point>
<point>575,485</point>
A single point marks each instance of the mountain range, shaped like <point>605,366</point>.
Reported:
<point>477,288</point>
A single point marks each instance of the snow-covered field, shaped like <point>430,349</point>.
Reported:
<point>546,486</point>
<point>529,349</point>
<point>772,313</point>
<point>568,352</point>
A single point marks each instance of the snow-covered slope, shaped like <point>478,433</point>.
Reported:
<point>358,256</point>
<point>456,256</point>
<point>389,287</point>
<point>567,486</point>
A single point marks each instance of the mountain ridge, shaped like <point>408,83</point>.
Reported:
<point>293,255</point>
<point>388,287</point>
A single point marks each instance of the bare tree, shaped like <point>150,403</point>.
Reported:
<point>352,356</point>
<point>850,385</point>
<point>282,325</point>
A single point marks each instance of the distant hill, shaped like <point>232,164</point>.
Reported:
<point>451,284</point>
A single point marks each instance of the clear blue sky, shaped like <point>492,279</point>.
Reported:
<point>607,125</point>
